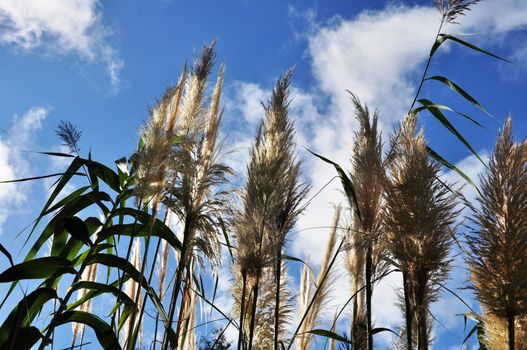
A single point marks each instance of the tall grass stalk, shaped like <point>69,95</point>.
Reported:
<point>271,205</point>
<point>498,243</point>
<point>368,177</point>
<point>419,218</point>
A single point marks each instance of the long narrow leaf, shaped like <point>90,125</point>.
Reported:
<point>426,104</point>
<point>36,269</point>
<point>459,90</point>
<point>348,186</point>
<point>446,123</point>
<point>103,331</point>
<point>451,166</point>
<point>444,37</point>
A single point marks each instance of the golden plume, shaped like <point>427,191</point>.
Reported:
<point>498,243</point>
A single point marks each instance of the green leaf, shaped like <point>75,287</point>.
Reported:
<point>7,254</point>
<point>460,91</point>
<point>444,37</point>
<point>37,178</point>
<point>107,175</point>
<point>446,123</point>
<point>72,208</point>
<point>97,289</point>
<point>66,200</point>
<point>122,165</point>
<point>78,229</point>
<point>382,329</point>
<point>24,313</point>
<point>348,186</point>
<point>91,173</point>
<point>103,331</point>
<point>472,331</point>
<point>64,179</point>
<point>451,166</point>
<point>25,338</point>
<point>37,268</point>
<point>57,154</point>
<point>141,230</point>
<point>330,334</point>
<point>225,233</point>
<point>292,258</point>
<point>427,104</point>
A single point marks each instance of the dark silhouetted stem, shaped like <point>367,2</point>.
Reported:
<point>408,313</point>
<point>369,264</point>
<point>242,311</point>
<point>278,274</point>
<point>253,314</point>
<point>510,325</point>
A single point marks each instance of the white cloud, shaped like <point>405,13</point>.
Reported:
<point>60,27</point>
<point>14,164</point>
<point>496,17</point>
<point>372,56</point>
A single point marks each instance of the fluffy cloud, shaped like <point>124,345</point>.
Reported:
<point>60,27</point>
<point>13,164</point>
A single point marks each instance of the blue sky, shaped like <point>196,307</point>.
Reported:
<point>100,65</point>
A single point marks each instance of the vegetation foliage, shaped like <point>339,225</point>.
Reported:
<point>174,193</point>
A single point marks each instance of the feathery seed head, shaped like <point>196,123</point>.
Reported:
<point>419,218</point>
<point>498,263</point>
<point>69,135</point>
<point>451,9</point>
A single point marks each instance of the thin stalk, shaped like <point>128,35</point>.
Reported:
<point>278,275</point>
<point>423,77</point>
<point>220,335</point>
<point>510,326</point>
<point>408,313</point>
<point>368,271</point>
<point>255,306</point>
<point>165,220</point>
<point>422,338</point>
<point>352,297</point>
<point>128,252</point>
<point>315,294</point>
<point>242,311</point>
<point>177,283</point>
<point>149,282</point>
<point>182,308</point>
<point>354,318</point>
<point>141,276</point>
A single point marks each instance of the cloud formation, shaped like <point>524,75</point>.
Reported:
<point>59,28</point>
<point>14,164</point>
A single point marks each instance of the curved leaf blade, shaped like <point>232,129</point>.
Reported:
<point>329,334</point>
<point>436,112</point>
<point>103,331</point>
<point>460,91</point>
<point>426,104</point>
<point>37,269</point>
<point>347,184</point>
<point>78,229</point>
<point>24,313</point>
<point>444,37</point>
